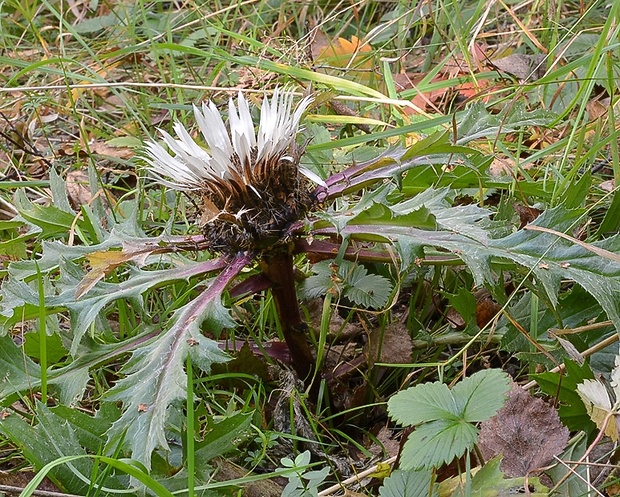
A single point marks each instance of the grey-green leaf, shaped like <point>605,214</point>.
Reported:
<point>438,442</point>
<point>423,403</point>
<point>408,484</point>
<point>483,393</point>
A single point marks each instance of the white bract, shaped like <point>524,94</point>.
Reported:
<point>232,153</point>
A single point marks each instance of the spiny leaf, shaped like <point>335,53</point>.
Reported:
<point>52,438</point>
<point>155,377</point>
<point>87,308</point>
<point>102,262</point>
<point>478,122</point>
<point>20,374</point>
<point>549,258</point>
<point>17,371</point>
<point>463,219</point>
<point>46,220</point>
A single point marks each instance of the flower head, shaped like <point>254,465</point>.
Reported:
<point>251,185</point>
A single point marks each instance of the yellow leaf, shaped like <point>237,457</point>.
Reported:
<point>344,53</point>
<point>382,470</point>
<point>103,262</point>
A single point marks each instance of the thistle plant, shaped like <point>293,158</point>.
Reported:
<point>251,192</point>
<point>259,210</point>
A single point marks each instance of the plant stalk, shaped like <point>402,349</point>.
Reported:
<point>278,267</point>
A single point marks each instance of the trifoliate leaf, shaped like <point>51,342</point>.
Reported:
<point>408,484</point>
<point>483,392</point>
<point>423,403</point>
<point>436,443</point>
<point>350,280</point>
<point>367,290</point>
<point>319,283</point>
<point>445,416</point>
<point>476,398</point>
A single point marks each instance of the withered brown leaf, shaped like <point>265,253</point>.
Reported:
<point>527,431</point>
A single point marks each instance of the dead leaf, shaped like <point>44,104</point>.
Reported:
<point>596,109</point>
<point>522,66</point>
<point>598,404</point>
<point>526,213</point>
<point>78,189</point>
<point>455,319</point>
<point>387,446</point>
<point>105,261</point>
<point>338,327</point>
<point>341,53</point>
<point>392,345</point>
<point>602,403</point>
<point>104,148</point>
<point>486,308</point>
<point>527,431</point>
<point>246,361</point>
<point>502,166</point>
<point>608,186</point>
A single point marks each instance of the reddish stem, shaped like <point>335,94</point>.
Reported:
<point>278,267</point>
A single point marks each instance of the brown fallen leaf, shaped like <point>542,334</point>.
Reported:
<point>392,345</point>
<point>78,189</point>
<point>387,446</point>
<point>608,186</point>
<point>527,431</point>
<point>107,149</point>
<point>521,66</point>
<point>526,213</point>
<point>486,308</point>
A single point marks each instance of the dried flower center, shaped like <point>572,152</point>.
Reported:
<point>254,208</point>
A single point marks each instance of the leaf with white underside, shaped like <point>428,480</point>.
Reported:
<point>603,408</point>
<point>19,293</point>
<point>86,308</point>
<point>155,376</point>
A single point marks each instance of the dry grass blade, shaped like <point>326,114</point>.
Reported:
<point>591,248</point>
